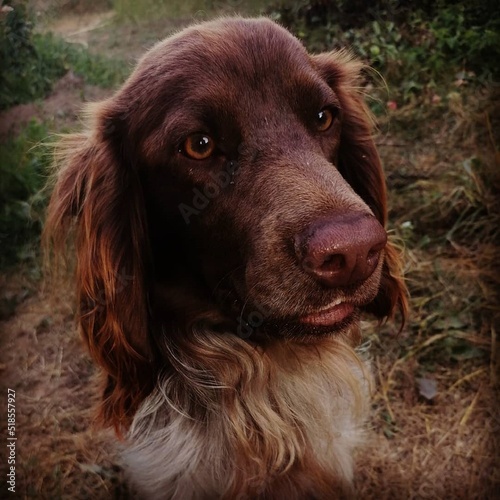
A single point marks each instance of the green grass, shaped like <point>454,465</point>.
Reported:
<point>95,69</point>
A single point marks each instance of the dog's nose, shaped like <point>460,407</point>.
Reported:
<point>342,249</point>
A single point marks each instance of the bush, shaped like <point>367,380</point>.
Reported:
<point>416,50</point>
<point>22,176</point>
<point>25,75</point>
<point>31,63</point>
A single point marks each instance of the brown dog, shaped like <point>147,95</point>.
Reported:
<point>229,208</point>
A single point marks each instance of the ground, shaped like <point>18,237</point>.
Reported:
<point>435,424</point>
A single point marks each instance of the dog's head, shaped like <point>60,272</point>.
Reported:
<point>232,178</point>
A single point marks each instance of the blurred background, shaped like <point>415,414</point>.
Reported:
<point>434,89</point>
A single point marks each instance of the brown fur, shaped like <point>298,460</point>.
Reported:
<point>189,302</point>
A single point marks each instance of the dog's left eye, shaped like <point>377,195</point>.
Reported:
<point>324,119</point>
<point>198,146</point>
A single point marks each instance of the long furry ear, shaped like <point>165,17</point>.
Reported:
<point>97,203</point>
<point>359,163</point>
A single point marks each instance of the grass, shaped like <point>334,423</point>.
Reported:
<point>445,207</point>
<point>31,64</point>
<point>95,69</point>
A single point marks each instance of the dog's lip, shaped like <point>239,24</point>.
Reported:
<point>330,315</point>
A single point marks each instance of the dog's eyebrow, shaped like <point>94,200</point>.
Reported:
<point>185,120</point>
<point>198,117</point>
<point>311,92</point>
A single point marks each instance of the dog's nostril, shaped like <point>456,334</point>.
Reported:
<point>333,262</point>
<point>372,256</point>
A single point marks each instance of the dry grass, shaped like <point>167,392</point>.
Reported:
<point>445,179</point>
<point>435,427</point>
<point>60,454</point>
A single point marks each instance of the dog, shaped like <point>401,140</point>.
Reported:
<point>228,205</point>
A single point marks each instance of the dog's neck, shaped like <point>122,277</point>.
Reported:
<point>226,406</point>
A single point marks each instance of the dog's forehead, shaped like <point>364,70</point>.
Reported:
<point>240,36</point>
<point>243,49</point>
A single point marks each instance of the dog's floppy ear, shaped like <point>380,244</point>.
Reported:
<point>358,160</point>
<point>359,163</point>
<point>97,200</point>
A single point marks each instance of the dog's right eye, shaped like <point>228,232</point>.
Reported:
<point>324,119</point>
<point>198,146</point>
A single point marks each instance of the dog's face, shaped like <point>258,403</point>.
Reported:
<point>254,194</point>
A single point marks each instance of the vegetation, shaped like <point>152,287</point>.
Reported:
<point>439,118</point>
<point>32,62</point>
<point>22,176</point>
<point>419,49</point>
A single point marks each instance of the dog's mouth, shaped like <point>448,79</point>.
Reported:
<point>331,315</point>
<point>252,319</point>
<point>334,319</point>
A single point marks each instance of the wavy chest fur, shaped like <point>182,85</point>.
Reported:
<point>279,423</point>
